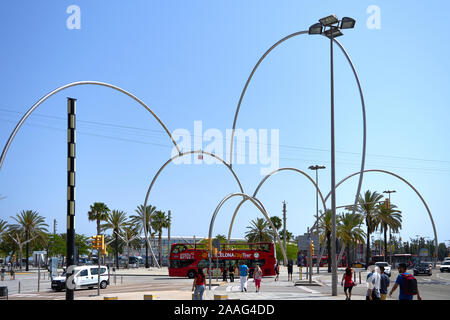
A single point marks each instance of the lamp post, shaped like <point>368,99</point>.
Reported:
<point>317,168</point>
<point>331,26</point>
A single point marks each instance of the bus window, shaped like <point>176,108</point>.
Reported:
<point>181,263</point>
<point>179,248</point>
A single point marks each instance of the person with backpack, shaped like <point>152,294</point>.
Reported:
<point>199,285</point>
<point>347,282</point>
<point>277,271</point>
<point>384,283</point>
<point>407,283</point>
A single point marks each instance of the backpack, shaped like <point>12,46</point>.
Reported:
<point>410,284</point>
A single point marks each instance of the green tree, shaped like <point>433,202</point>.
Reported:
<point>388,218</point>
<point>368,206</point>
<point>130,234</point>
<point>324,227</point>
<point>277,223</point>
<point>159,222</point>
<point>143,222</point>
<point>348,231</point>
<point>116,220</point>
<point>33,226</point>
<point>98,212</point>
<point>442,251</point>
<point>222,238</point>
<point>259,231</point>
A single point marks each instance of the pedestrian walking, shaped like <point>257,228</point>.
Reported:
<point>257,276</point>
<point>243,274</point>
<point>373,284</point>
<point>348,283</point>
<point>3,273</point>
<point>12,274</point>
<point>277,271</point>
<point>198,286</point>
<point>224,274</point>
<point>290,268</point>
<point>407,283</point>
<point>231,272</point>
<point>384,283</point>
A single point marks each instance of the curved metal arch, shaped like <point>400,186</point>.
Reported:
<point>360,92</point>
<point>263,211</point>
<point>181,154</point>
<point>264,180</point>
<point>411,186</point>
<point>78,83</point>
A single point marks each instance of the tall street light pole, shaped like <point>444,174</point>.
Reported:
<point>317,168</point>
<point>390,236</point>
<point>331,26</point>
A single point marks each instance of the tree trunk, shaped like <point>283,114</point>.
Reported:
<point>329,252</point>
<point>341,253</point>
<point>367,248</point>
<point>26,256</point>
<point>159,248</point>
<point>146,254</point>
<point>117,251</point>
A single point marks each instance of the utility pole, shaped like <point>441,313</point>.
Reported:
<point>168,236</point>
<point>284,225</point>
<point>317,168</point>
<point>71,103</point>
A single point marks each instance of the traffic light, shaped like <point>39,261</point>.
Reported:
<point>101,242</point>
<point>311,247</point>
<point>208,244</point>
<point>215,252</point>
<point>94,243</point>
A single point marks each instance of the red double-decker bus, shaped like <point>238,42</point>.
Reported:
<point>185,258</point>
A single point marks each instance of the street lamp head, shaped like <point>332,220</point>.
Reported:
<point>334,32</point>
<point>347,23</point>
<point>315,29</point>
<point>330,20</point>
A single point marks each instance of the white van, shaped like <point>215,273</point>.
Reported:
<point>84,276</point>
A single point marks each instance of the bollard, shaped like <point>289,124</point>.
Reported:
<point>220,297</point>
<point>19,287</point>
<point>360,277</point>
<point>300,273</point>
<point>150,296</point>
<point>110,298</point>
<point>354,277</point>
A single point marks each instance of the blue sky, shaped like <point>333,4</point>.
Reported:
<point>189,61</point>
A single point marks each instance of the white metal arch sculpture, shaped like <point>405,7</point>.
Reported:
<point>181,154</point>
<point>73,84</point>
<point>264,180</point>
<point>258,205</point>
<point>412,187</point>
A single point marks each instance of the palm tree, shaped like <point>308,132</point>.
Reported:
<point>325,228</point>
<point>129,233</point>
<point>32,225</point>
<point>159,222</point>
<point>260,231</point>
<point>389,218</point>
<point>348,230</point>
<point>98,212</point>
<point>116,220</point>
<point>369,207</point>
<point>143,222</point>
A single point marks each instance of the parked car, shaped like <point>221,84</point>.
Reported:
<point>422,268</point>
<point>445,266</point>
<point>84,276</point>
<point>358,264</point>
<point>387,267</point>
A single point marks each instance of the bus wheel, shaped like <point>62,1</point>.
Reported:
<point>191,274</point>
